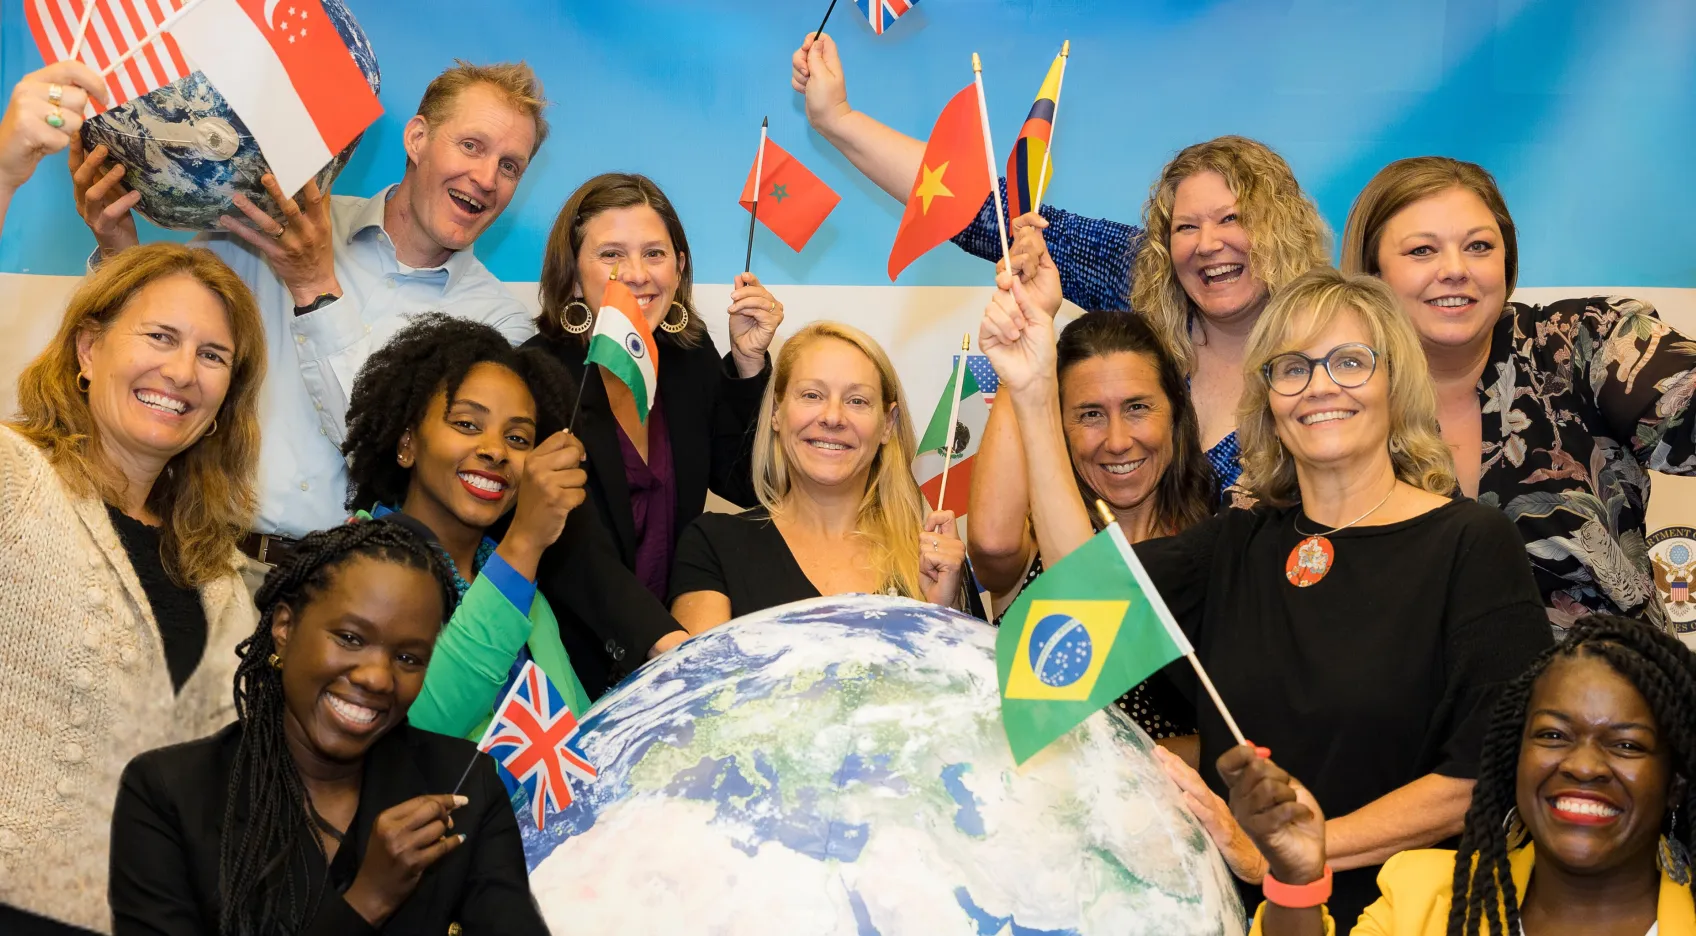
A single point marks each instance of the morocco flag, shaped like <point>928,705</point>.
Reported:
<point>624,346</point>
<point>952,183</point>
<point>956,445</point>
<point>793,201</point>
<point>287,74</point>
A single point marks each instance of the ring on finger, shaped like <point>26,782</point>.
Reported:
<point>55,94</point>
<point>55,119</point>
<point>279,232</point>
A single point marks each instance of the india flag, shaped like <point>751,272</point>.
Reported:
<point>624,346</point>
<point>956,445</point>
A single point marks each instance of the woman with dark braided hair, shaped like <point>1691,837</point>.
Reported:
<point>321,810</point>
<point>1575,824</point>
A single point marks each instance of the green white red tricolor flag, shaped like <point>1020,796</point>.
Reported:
<point>623,344</point>
<point>956,444</point>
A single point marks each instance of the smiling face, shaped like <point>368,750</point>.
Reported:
<point>1210,249</point>
<point>635,241</point>
<point>1118,425</point>
<point>158,373</point>
<point>1328,426</point>
<point>467,453</point>
<point>832,420</point>
<point>353,657</point>
<point>466,168</point>
<point>1443,258</point>
<point>1594,775</point>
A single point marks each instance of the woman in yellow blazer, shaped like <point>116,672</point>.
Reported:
<point>1580,824</point>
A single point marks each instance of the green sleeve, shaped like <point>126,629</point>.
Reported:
<point>471,662</point>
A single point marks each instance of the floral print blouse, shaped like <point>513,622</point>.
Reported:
<point>1579,397</point>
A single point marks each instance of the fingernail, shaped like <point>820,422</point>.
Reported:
<point>1262,752</point>
<point>459,801</point>
<point>462,837</point>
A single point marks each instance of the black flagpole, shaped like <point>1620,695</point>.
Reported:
<point>825,20</point>
<point>754,213</point>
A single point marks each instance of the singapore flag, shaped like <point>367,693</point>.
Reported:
<point>286,73</point>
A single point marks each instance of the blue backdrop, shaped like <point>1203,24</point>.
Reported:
<point>1585,110</point>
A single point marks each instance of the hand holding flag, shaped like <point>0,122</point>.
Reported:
<point>942,558</point>
<point>755,315</point>
<point>27,134</point>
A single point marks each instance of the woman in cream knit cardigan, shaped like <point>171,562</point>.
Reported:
<point>123,483</point>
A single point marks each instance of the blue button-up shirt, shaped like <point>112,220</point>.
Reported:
<point>313,357</point>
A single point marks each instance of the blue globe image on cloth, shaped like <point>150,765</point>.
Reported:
<point>187,152</point>
<point>1060,650</point>
<point>838,766</point>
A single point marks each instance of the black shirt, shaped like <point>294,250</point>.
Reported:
<point>741,556</point>
<point>1381,672</point>
<point>176,608</point>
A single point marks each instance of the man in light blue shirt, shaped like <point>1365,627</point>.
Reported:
<point>340,275</point>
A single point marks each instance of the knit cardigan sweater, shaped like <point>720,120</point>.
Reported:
<point>84,685</point>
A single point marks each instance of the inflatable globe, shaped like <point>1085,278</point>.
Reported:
<point>187,152</point>
<point>838,766</point>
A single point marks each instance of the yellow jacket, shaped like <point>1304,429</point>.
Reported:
<point>1417,885</point>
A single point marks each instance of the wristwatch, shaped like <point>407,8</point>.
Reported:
<point>316,304</point>
<point>1298,896</point>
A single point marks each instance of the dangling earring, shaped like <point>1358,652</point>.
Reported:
<point>1397,446</point>
<point>1512,829</point>
<point>682,323</point>
<point>1672,856</point>
<point>83,383</point>
<point>276,662</point>
<point>579,328</point>
<point>403,457</point>
<point>210,431</point>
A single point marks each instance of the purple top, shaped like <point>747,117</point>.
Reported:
<point>653,502</point>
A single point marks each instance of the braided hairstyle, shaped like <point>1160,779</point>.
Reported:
<point>262,881</point>
<point>433,353</point>
<point>1662,670</point>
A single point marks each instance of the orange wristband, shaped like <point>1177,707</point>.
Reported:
<point>1298,896</point>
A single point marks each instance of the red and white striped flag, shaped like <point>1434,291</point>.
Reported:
<point>287,74</point>
<point>114,28</point>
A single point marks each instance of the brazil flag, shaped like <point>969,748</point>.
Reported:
<point>1080,635</point>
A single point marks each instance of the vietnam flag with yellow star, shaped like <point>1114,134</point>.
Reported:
<point>952,183</point>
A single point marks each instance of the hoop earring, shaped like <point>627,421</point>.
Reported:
<point>83,383</point>
<point>565,320</point>
<point>276,662</point>
<point>682,323</point>
<point>1672,856</point>
<point>1513,830</point>
<point>212,430</point>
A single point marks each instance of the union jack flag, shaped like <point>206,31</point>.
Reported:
<point>882,14</point>
<point>533,736</point>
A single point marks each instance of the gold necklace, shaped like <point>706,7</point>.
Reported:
<point>1313,557</point>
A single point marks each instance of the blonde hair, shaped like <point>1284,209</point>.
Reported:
<point>1305,308</point>
<point>205,494</point>
<point>1286,235</point>
<point>1406,181</point>
<point>514,81</point>
<point>892,510</point>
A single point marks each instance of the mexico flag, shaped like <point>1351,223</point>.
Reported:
<point>286,73</point>
<point>956,445</point>
<point>624,346</point>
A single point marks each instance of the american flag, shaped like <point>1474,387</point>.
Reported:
<point>882,14</point>
<point>983,372</point>
<point>532,736</point>
<point>114,28</point>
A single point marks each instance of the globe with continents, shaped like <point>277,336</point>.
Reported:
<point>187,152</point>
<point>838,766</point>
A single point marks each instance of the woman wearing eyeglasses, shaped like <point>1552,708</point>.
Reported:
<point>1358,620</point>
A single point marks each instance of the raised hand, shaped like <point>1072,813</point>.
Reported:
<point>405,841</point>
<point>1241,856</point>
<point>27,132</point>
<point>754,316</point>
<point>815,71</point>
<point>549,488</point>
<point>103,201</point>
<point>1038,275</point>
<point>1018,337</point>
<point>1277,813</point>
<point>942,558</point>
<point>300,248</point>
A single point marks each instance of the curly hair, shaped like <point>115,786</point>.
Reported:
<point>1185,494</point>
<point>205,494</point>
<point>432,354</point>
<point>1304,308</point>
<point>1664,672</point>
<point>1286,234</point>
<point>262,876</point>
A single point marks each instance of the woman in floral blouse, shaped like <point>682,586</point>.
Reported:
<point>1553,412</point>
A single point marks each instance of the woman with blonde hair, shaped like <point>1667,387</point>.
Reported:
<point>1553,412</point>
<point>839,510</point>
<point>1368,615</point>
<point>125,481</point>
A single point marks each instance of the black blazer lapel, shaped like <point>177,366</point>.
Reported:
<point>392,776</point>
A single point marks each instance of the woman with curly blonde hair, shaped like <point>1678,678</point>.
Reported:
<point>125,482</point>
<point>1369,613</point>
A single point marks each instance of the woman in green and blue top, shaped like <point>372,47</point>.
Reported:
<point>449,428</point>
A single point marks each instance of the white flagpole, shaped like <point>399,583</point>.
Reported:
<point>989,157</point>
<point>953,419</point>
<point>82,29</point>
<point>150,38</point>
<point>1165,615</point>
<point>1042,177</point>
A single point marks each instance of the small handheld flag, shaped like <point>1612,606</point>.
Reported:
<point>793,202</point>
<point>954,412</point>
<point>952,443</point>
<point>1029,164</point>
<point>881,14</point>
<point>624,346</point>
<point>952,183</point>
<point>533,736</point>
<point>134,60</point>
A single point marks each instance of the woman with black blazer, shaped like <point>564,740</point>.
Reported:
<point>647,480</point>
<point>321,810</point>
